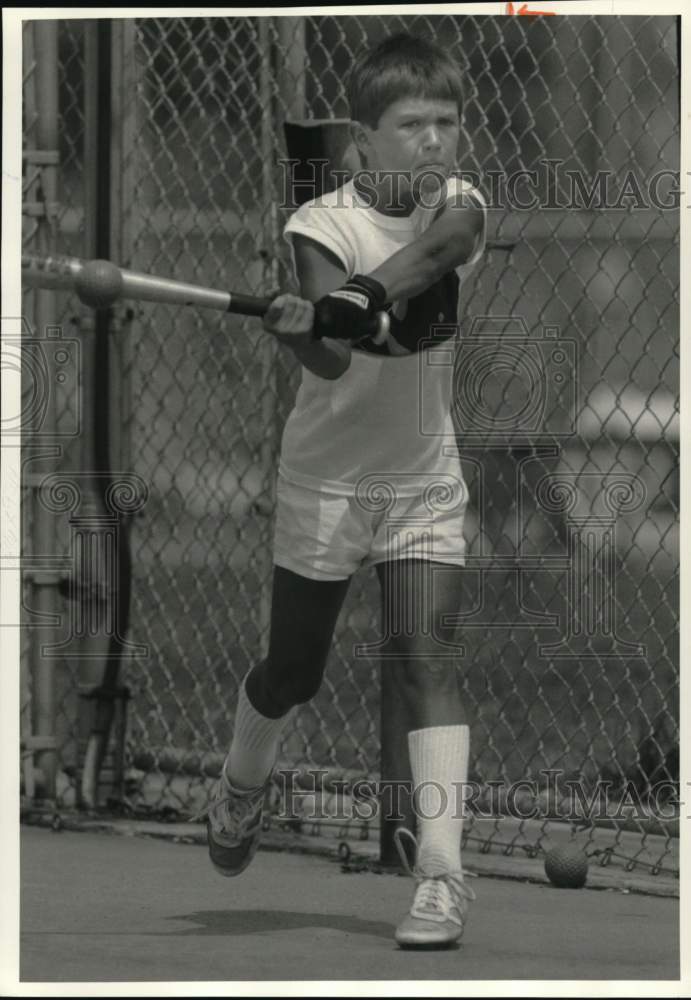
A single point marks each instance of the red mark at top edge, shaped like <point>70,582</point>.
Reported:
<point>523,11</point>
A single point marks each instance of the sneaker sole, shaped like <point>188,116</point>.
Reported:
<point>429,945</point>
<point>411,941</point>
<point>226,870</point>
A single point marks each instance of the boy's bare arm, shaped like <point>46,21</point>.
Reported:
<point>449,242</point>
<point>319,273</point>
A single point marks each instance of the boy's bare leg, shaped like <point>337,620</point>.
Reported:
<point>415,597</point>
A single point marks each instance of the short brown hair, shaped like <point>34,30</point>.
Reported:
<point>401,66</point>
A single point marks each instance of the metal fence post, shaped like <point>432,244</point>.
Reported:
<point>44,541</point>
<point>122,239</point>
<point>107,607</point>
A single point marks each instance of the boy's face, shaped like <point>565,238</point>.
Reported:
<point>413,135</point>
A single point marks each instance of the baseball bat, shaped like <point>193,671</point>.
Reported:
<point>100,283</point>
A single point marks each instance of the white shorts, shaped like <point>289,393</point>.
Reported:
<point>327,536</point>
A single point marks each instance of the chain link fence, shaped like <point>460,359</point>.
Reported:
<point>569,616</point>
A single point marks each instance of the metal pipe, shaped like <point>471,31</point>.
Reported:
<point>92,642</point>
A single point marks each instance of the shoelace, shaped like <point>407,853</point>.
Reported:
<point>430,895</point>
<point>235,813</point>
<point>430,891</point>
<point>239,810</point>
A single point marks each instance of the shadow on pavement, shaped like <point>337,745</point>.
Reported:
<point>269,921</point>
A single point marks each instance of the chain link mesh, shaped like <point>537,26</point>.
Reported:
<point>209,396</point>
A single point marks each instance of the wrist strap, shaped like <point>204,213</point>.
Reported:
<point>374,288</point>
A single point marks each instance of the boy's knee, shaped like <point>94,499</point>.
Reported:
<point>303,687</point>
<point>292,681</point>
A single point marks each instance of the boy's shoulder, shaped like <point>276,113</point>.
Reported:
<point>331,220</point>
<point>340,197</point>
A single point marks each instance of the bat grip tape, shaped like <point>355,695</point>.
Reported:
<point>248,305</point>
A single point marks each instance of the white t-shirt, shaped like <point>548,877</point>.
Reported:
<point>383,415</point>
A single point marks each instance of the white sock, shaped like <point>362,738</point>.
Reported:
<point>439,755</point>
<point>254,746</point>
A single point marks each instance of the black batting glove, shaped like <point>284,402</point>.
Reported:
<point>350,312</point>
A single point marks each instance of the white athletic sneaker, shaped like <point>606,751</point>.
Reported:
<point>440,907</point>
<point>234,820</point>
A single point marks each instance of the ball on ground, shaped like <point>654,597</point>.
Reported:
<point>567,866</point>
<point>99,284</point>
